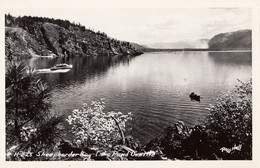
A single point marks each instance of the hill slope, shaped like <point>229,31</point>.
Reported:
<point>241,39</point>
<point>36,36</point>
<point>237,40</point>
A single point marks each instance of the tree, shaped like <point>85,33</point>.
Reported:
<point>29,123</point>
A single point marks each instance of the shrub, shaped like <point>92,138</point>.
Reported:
<point>92,126</point>
<point>229,123</point>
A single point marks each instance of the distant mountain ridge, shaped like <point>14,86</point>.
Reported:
<point>241,39</point>
<point>36,36</point>
<point>201,43</point>
<point>237,40</point>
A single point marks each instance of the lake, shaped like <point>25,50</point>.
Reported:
<point>155,87</point>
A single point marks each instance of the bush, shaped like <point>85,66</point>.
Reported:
<point>92,126</point>
<point>229,124</point>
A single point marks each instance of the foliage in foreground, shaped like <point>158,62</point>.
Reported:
<point>91,125</point>
<point>229,123</point>
<point>29,123</point>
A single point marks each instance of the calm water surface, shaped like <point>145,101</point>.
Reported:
<point>155,87</point>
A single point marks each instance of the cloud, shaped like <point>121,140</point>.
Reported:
<point>196,24</point>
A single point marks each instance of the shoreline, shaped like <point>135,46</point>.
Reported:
<point>208,50</point>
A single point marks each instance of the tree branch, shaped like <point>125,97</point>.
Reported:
<point>120,131</point>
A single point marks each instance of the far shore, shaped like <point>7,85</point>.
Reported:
<point>196,49</point>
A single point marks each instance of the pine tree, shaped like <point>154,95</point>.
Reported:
<point>29,123</point>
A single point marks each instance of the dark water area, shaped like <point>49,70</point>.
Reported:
<point>155,87</point>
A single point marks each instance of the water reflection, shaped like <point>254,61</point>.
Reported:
<point>235,58</point>
<point>84,68</point>
<point>155,87</point>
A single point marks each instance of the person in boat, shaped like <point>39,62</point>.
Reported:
<point>194,96</point>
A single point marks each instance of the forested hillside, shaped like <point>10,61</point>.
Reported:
<point>37,36</point>
<point>241,39</point>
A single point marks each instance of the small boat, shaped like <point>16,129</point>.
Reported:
<point>61,66</point>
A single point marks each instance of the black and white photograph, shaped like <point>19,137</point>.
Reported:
<point>127,84</point>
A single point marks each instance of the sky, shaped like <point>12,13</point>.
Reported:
<point>151,26</point>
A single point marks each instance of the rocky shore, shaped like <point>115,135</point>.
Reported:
<point>35,36</point>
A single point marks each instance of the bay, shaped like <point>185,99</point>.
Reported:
<point>154,86</point>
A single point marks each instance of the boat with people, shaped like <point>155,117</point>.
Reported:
<point>61,66</point>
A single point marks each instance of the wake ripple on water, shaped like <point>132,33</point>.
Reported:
<point>53,71</point>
